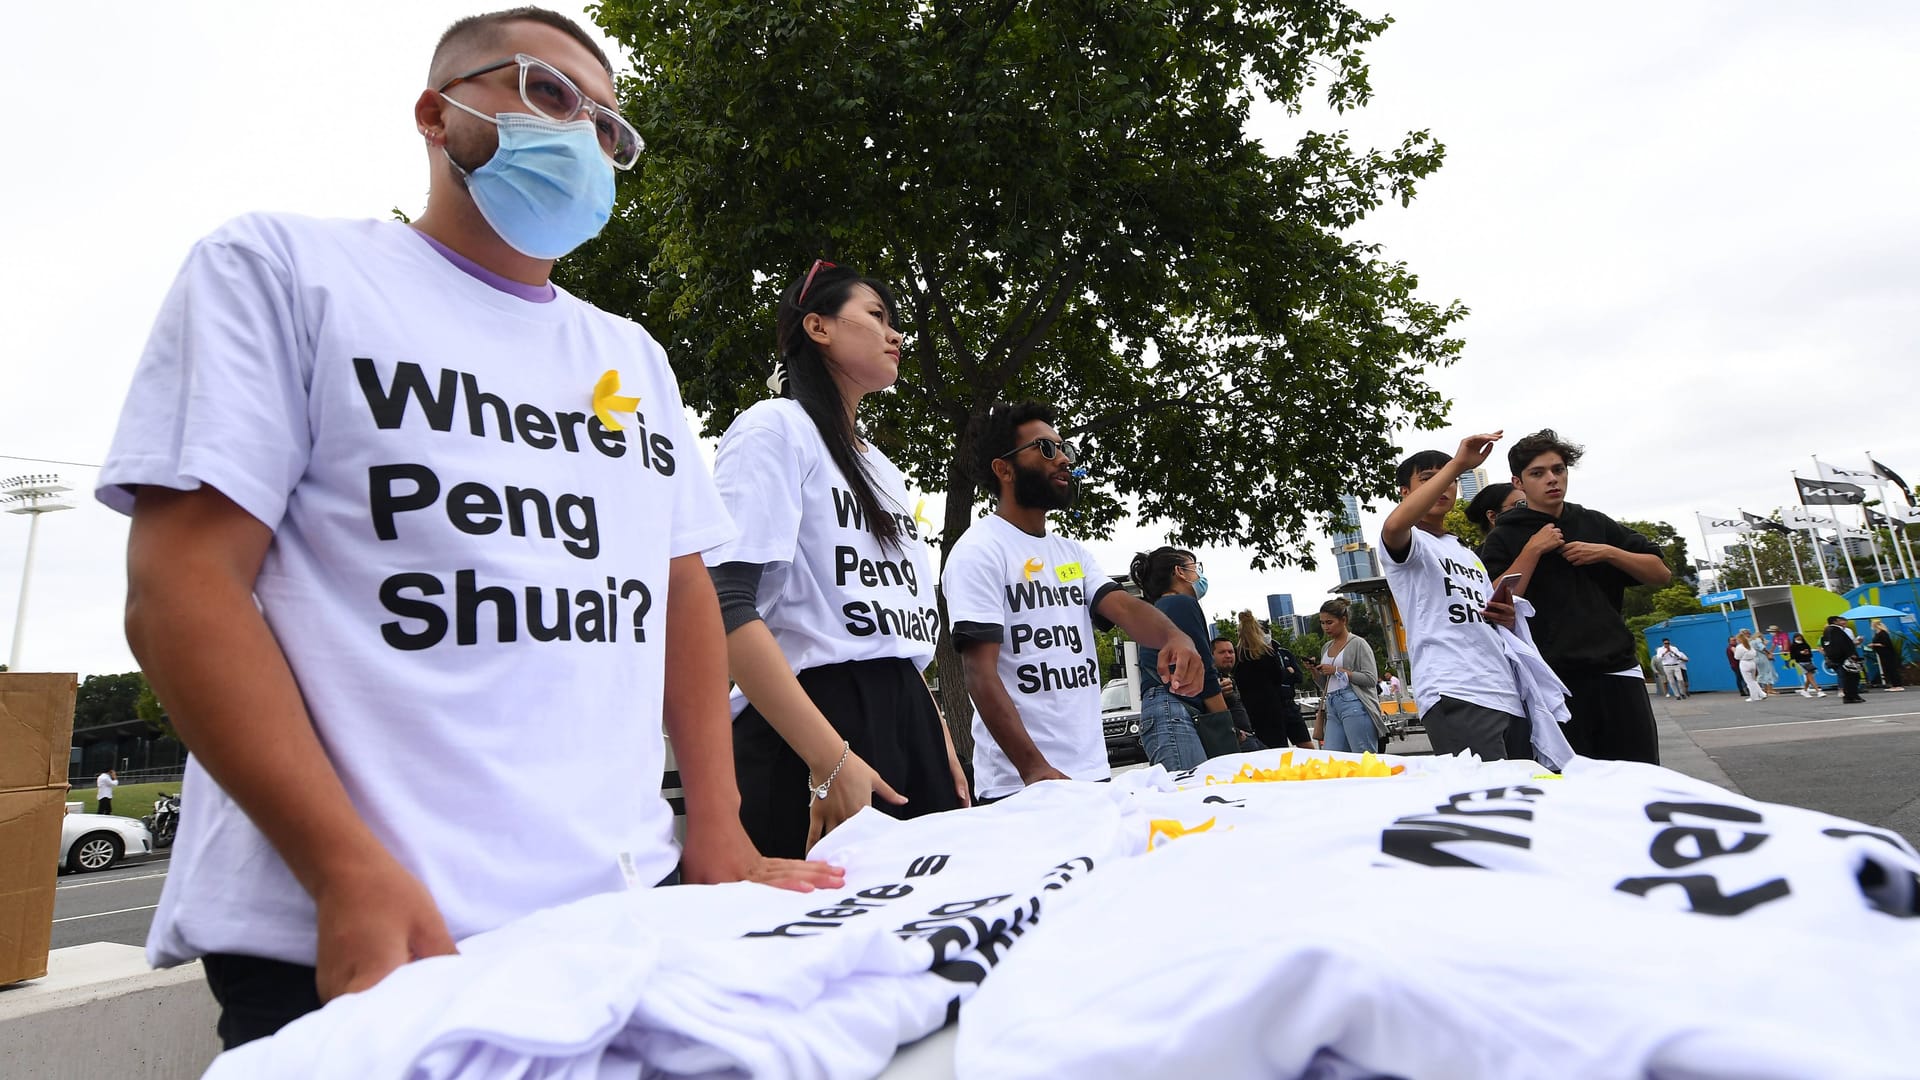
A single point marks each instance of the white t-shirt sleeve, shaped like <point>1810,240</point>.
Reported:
<point>759,474</point>
<point>220,395</point>
<point>973,586</point>
<point>700,518</point>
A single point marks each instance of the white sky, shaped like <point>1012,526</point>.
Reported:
<point>1687,234</point>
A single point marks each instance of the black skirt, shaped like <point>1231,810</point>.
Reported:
<point>882,708</point>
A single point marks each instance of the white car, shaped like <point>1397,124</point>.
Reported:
<point>97,841</point>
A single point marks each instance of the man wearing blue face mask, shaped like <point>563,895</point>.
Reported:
<point>409,525</point>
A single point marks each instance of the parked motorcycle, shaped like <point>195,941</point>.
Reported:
<point>164,821</point>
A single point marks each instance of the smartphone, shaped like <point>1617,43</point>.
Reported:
<point>1503,589</point>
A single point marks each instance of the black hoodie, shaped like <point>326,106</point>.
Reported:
<point>1576,622</point>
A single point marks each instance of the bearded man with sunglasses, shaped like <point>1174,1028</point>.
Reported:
<point>1022,604</point>
<point>411,525</point>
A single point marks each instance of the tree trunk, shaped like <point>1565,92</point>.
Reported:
<point>954,703</point>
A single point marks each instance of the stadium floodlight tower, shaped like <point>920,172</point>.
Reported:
<point>31,494</point>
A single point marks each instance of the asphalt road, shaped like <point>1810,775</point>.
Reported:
<point>111,905</point>
<point>1857,761</point>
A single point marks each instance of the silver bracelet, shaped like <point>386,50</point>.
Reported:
<point>820,793</point>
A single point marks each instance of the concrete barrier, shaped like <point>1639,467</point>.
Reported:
<point>101,1011</point>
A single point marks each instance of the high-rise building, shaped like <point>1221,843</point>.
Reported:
<point>1352,554</point>
<point>1471,482</point>
<point>1279,606</point>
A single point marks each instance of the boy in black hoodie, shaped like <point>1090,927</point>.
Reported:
<point>1576,565</point>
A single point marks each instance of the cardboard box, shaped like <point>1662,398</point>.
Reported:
<point>36,733</point>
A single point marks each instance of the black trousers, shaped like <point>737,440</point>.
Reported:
<point>1849,682</point>
<point>105,807</point>
<point>258,997</point>
<point>882,708</point>
<point>1612,717</point>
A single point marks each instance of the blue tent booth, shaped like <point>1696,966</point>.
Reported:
<point>1802,608</point>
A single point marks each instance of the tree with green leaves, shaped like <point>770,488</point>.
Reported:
<point>1673,551</point>
<point>148,708</point>
<point>107,699</point>
<point>1068,202</point>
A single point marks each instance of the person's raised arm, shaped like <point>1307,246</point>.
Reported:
<point>694,701</point>
<point>1396,535</point>
<point>1180,665</point>
<point>980,664</point>
<point>192,559</point>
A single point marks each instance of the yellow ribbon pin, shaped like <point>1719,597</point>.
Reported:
<point>608,400</point>
<point>920,516</point>
<point>1033,567</point>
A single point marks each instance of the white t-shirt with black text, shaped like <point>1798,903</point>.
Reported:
<point>468,574</point>
<point>831,592</point>
<point>1441,588</point>
<point>1034,595</point>
<point>1621,920</point>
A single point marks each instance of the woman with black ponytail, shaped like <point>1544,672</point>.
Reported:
<point>1179,732</point>
<point>827,594</point>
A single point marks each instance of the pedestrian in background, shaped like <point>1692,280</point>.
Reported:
<point>1887,651</point>
<point>1763,661</point>
<point>103,786</point>
<point>1267,676</point>
<point>1800,654</point>
<point>1844,657</point>
<point>1747,660</point>
<point>1349,714</point>
<point>1673,666</point>
<point>1490,502</point>
<point>1172,580</point>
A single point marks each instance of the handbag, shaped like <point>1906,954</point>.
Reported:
<point>1852,665</point>
<point>1217,735</point>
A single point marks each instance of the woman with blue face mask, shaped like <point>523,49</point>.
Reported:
<point>1171,725</point>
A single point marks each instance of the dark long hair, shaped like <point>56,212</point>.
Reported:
<point>1153,570</point>
<point>810,383</point>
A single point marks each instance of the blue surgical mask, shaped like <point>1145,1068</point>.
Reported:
<point>1200,587</point>
<point>548,189</point>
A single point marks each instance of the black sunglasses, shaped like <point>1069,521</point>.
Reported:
<point>1049,449</point>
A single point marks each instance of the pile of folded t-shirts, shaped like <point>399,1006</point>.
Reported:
<point>1416,917</point>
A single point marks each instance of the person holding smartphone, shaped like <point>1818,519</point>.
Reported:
<point>1462,682</point>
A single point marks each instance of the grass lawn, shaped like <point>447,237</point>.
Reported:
<point>129,800</point>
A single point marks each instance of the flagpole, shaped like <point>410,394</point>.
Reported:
<point>1813,534</point>
<point>1873,542</point>
<point>1752,560</point>
<point>1706,546</point>
<point>1798,571</point>
<point>1893,537</point>
<point>1894,527</point>
<point>1839,530</point>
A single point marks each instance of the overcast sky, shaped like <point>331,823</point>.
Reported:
<point>1687,233</point>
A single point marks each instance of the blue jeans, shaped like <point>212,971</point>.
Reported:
<point>1167,731</point>
<point>1349,727</point>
